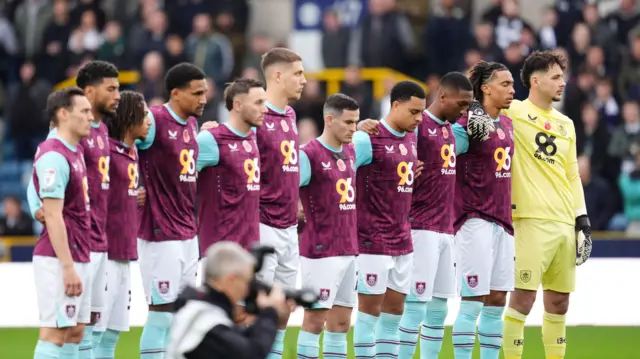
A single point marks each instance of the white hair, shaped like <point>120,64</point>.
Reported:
<point>225,258</point>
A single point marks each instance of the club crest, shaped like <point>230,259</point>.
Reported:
<point>325,294</point>
<point>71,310</point>
<point>472,281</point>
<point>421,287</point>
<point>372,279</point>
<point>163,286</point>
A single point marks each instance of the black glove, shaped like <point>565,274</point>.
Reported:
<point>479,124</point>
<point>583,249</point>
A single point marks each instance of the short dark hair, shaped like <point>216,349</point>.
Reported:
<point>481,73</point>
<point>239,87</point>
<point>404,90</point>
<point>61,99</point>
<point>339,102</point>
<point>130,113</point>
<point>94,72</point>
<point>278,55</point>
<point>456,81</point>
<point>540,61</point>
<point>180,75</point>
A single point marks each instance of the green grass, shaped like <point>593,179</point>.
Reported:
<point>583,343</point>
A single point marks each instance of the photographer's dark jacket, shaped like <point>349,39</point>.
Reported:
<point>203,327</point>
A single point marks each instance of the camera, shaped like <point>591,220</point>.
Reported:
<point>304,297</point>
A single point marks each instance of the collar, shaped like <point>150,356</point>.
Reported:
<point>219,299</point>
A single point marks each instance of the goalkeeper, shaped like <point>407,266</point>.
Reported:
<point>548,207</point>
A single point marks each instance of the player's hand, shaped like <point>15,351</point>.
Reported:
<point>369,126</point>
<point>40,215</point>
<point>301,217</point>
<point>142,196</point>
<point>480,124</point>
<point>419,167</point>
<point>72,282</point>
<point>209,125</point>
<point>583,247</point>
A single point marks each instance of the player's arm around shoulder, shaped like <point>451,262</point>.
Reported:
<point>363,148</point>
<point>305,167</point>
<point>461,136</point>
<point>208,150</point>
<point>151,136</point>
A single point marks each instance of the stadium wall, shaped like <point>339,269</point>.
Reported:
<point>610,283</point>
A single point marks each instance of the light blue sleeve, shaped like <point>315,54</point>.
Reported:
<point>208,151</point>
<point>462,139</point>
<point>364,151</point>
<point>53,171</point>
<point>151,136</point>
<point>305,169</point>
<point>33,199</point>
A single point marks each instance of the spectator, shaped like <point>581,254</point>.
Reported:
<point>209,51</point>
<point>514,60</point>
<point>629,183</point>
<point>214,110</point>
<point>152,83</point>
<point>593,140</point>
<point>8,49</point>
<point>113,48</point>
<point>485,44</point>
<point>547,33</point>
<point>581,39</point>
<point>600,33</point>
<point>382,107</point>
<point>358,90</point>
<point>55,40</point>
<point>152,37</point>
<point>509,26</point>
<point>82,7</point>
<point>31,19</point>
<point>597,194</point>
<point>625,140</point>
<point>307,130</point>
<point>335,41</point>
<point>448,25</point>
<point>25,102</point>
<point>259,44</point>
<point>383,39</point>
<point>311,103</point>
<point>579,91</point>
<point>15,221</point>
<point>606,104</point>
<point>629,79</point>
<point>86,37</point>
<point>174,53</point>
<point>624,20</point>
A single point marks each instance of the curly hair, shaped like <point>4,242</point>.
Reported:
<point>130,113</point>
<point>540,61</point>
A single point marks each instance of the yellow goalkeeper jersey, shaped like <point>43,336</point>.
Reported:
<point>545,180</point>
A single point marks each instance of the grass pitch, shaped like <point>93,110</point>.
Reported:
<point>583,343</point>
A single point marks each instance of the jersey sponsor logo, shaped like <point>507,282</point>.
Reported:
<point>252,169</point>
<point>233,147</point>
<point>532,118</point>
<point>270,126</point>
<point>188,163</point>
<point>173,135</point>
<point>546,147</point>
<point>503,161</point>
<point>347,194</point>
<point>103,168</point>
<point>132,172</point>
<point>389,149</point>
<point>91,143</point>
<point>288,150</point>
<point>448,154</point>
<point>405,172</point>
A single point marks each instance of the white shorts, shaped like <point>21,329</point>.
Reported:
<point>57,310</point>
<point>379,272</point>
<point>281,267</point>
<point>335,279</point>
<point>486,258</point>
<point>116,313</point>
<point>167,267</point>
<point>434,270</point>
<point>99,288</point>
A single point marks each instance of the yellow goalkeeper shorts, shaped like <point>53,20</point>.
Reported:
<point>545,254</point>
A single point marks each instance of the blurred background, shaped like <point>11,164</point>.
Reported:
<point>359,47</point>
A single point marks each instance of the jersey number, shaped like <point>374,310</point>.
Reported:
<point>546,144</point>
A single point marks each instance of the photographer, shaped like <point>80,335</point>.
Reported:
<point>203,325</point>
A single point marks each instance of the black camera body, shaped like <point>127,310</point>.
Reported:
<point>304,297</point>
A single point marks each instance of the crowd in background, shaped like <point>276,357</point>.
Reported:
<point>43,42</point>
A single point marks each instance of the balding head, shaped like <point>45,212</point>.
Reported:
<point>224,258</point>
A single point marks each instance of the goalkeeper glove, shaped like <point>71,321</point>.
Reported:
<point>584,249</point>
<point>479,124</point>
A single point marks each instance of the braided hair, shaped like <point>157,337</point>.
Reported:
<point>481,73</point>
<point>130,113</point>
